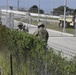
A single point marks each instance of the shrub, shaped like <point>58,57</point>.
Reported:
<point>30,55</point>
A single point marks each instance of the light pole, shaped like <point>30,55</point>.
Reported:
<point>0,16</point>
<point>11,18</point>
<point>39,11</point>
<point>7,13</point>
<point>18,4</point>
<point>75,29</point>
<point>7,4</point>
<point>28,14</point>
<point>45,20</point>
<point>65,3</point>
<point>52,8</point>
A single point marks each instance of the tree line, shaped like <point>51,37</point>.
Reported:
<point>60,11</point>
<point>56,11</point>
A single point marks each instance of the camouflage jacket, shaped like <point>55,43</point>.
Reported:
<point>42,34</point>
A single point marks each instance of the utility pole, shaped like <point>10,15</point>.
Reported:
<point>45,20</point>
<point>39,12</point>
<point>65,3</point>
<point>11,18</point>
<point>7,4</point>
<point>28,14</point>
<point>52,8</point>
<point>0,14</point>
<point>18,5</point>
<point>75,30</point>
<point>7,23</point>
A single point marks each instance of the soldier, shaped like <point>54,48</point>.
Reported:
<point>20,25</point>
<point>42,32</point>
<point>25,29</point>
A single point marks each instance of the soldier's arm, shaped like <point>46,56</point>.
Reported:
<point>47,36</point>
<point>36,33</point>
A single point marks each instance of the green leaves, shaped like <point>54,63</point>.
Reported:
<point>30,55</point>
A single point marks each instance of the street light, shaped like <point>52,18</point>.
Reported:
<point>65,3</point>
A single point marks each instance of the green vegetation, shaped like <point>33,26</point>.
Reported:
<point>60,10</point>
<point>24,48</point>
<point>55,26</point>
<point>30,56</point>
<point>34,9</point>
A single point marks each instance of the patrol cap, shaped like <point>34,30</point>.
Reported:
<point>20,24</point>
<point>41,24</point>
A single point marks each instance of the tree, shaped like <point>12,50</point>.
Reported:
<point>34,9</point>
<point>22,9</point>
<point>11,7</point>
<point>41,11</point>
<point>60,10</point>
<point>74,12</point>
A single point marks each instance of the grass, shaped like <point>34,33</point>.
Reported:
<point>70,30</point>
<point>55,26</point>
<point>50,18</point>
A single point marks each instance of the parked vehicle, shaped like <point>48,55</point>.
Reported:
<point>70,21</point>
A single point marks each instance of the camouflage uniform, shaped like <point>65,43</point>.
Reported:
<point>25,29</point>
<point>22,28</point>
<point>20,25</point>
<point>42,32</point>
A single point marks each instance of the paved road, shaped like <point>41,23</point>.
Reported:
<point>59,41</point>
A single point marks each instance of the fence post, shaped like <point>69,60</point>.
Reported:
<point>11,18</point>
<point>11,68</point>
<point>75,30</point>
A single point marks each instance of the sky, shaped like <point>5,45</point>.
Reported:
<point>46,5</point>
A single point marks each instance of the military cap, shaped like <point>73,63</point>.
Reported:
<point>20,24</point>
<point>41,24</point>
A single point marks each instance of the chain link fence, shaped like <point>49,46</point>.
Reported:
<point>51,22</point>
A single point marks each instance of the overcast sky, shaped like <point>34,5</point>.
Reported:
<point>46,5</point>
